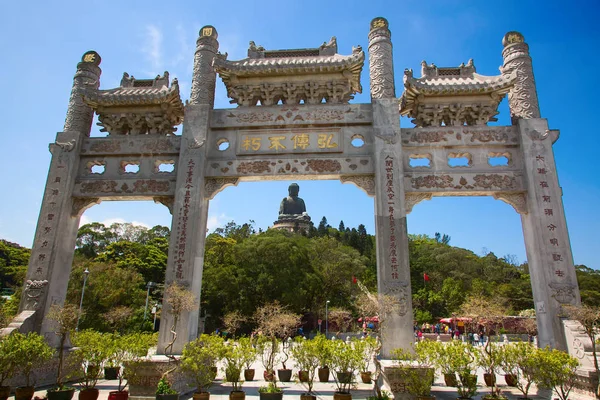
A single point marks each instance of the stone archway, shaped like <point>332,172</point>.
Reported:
<point>294,121</point>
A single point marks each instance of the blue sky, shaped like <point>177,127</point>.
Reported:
<point>41,43</point>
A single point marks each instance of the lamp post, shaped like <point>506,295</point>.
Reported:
<point>85,276</point>
<point>326,322</point>
<point>149,286</point>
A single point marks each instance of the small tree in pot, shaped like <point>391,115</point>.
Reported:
<point>558,372</point>
<point>462,359</point>
<point>249,353</point>
<point>366,347</point>
<point>416,368</point>
<point>324,351</point>
<point>90,353</point>
<point>274,322</point>
<point>345,361</point>
<point>523,361</point>
<point>197,361</point>
<point>234,361</point>
<point>30,352</point>
<point>65,320</point>
<point>306,354</point>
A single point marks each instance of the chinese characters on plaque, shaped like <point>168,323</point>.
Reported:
<point>550,223</point>
<point>390,197</point>
<point>278,142</point>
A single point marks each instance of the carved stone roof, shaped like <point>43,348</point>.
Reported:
<point>472,98</point>
<point>292,76</point>
<point>138,106</point>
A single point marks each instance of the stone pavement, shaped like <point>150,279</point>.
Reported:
<point>324,391</point>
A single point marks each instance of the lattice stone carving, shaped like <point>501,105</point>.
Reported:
<point>364,182</point>
<point>212,186</point>
<point>400,297</point>
<point>517,200</point>
<point>411,199</point>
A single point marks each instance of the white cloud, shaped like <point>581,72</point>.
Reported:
<point>216,221</point>
<point>152,49</point>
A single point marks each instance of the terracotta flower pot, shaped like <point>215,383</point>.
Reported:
<point>305,396</point>
<point>323,374</point>
<point>450,380</point>
<point>4,392</point>
<point>285,375</point>
<point>342,396</point>
<point>65,394</point>
<point>89,394</point>
<point>116,395</point>
<point>237,395</point>
<point>344,377</point>
<point>303,376</point>
<point>365,376</point>
<point>430,397</point>
<point>201,396</point>
<point>249,374</point>
<point>167,396</point>
<point>490,379</point>
<point>510,379</point>
<point>24,393</point>
<point>270,396</point>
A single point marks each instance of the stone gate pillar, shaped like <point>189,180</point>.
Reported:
<point>52,252</point>
<point>190,209</point>
<point>393,271</point>
<point>549,256</point>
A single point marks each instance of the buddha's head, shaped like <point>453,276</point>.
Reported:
<point>293,189</point>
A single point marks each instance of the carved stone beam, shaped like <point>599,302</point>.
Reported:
<point>213,186</point>
<point>80,204</point>
<point>517,200</point>
<point>411,199</point>
<point>79,115</point>
<point>364,182</point>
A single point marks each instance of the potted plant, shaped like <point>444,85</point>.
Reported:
<point>65,320</point>
<point>126,350</point>
<point>522,360</point>
<point>324,352</point>
<point>30,352</point>
<point>164,391</point>
<point>306,354</point>
<point>112,366</point>
<point>507,363</point>
<point>276,323</point>
<point>444,364</point>
<point>270,392</point>
<point>366,347</point>
<point>234,361</point>
<point>559,371</point>
<point>90,353</point>
<point>461,357</point>
<point>8,345</point>
<point>267,349</point>
<point>197,361</point>
<point>345,361</point>
<point>249,356</point>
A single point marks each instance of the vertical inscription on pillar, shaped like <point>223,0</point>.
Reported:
<point>182,221</point>
<point>391,198</point>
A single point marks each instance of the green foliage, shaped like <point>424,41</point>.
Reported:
<point>420,371</point>
<point>559,371</point>
<point>522,360</point>
<point>345,359</point>
<point>270,388</point>
<point>324,350</point>
<point>460,358</point>
<point>366,347</point>
<point>235,356</point>
<point>30,351</point>
<point>92,349</point>
<point>129,350</point>
<point>199,359</point>
<point>164,387</point>
<point>8,346</point>
<point>307,356</point>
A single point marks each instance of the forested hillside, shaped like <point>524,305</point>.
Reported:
<point>245,269</point>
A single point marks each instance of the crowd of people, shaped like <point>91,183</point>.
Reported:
<point>473,338</point>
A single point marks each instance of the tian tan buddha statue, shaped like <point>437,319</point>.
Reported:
<point>292,207</point>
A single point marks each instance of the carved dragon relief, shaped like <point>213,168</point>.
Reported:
<point>212,186</point>
<point>33,291</point>
<point>517,200</point>
<point>364,182</point>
